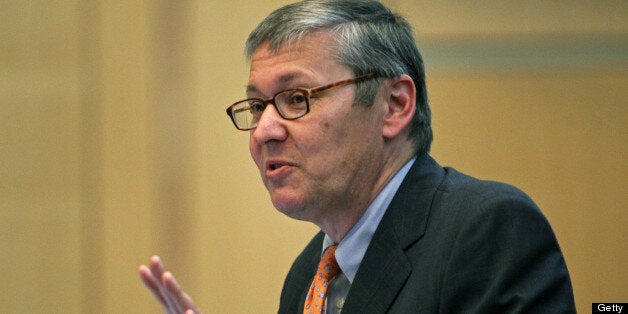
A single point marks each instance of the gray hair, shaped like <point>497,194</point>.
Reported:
<point>369,38</point>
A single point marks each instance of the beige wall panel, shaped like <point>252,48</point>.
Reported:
<point>127,157</point>
<point>40,227</point>
<point>452,17</point>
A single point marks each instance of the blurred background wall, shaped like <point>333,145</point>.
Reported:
<point>114,143</point>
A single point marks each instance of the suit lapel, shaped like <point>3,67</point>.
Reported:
<point>385,266</point>
<point>382,273</point>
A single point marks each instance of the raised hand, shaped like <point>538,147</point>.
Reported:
<point>166,289</point>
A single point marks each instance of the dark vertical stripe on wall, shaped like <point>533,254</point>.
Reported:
<point>173,136</point>
<point>92,229</point>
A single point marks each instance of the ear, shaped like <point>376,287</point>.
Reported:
<point>400,98</point>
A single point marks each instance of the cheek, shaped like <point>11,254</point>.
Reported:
<point>254,149</point>
<point>335,144</point>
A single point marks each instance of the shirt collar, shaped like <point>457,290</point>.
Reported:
<point>352,247</point>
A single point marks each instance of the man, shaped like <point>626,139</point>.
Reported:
<point>340,130</point>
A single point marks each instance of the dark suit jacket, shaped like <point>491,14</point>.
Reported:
<point>449,243</point>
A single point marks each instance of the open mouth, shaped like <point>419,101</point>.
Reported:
<point>275,166</point>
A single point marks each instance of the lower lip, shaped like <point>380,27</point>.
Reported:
<point>278,173</point>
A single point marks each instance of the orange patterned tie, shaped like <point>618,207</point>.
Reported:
<point>327,269</point>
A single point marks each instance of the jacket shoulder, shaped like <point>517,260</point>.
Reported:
<point>464,189</point>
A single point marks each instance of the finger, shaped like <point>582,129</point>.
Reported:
<point>182,299</point>
<point>157,268</point>
<point>152,284</point>
<point>173,291</point>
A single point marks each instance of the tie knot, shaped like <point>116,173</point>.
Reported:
<point>328,265</point>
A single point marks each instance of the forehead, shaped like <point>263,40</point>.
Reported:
<point>309,59</point>
<point>312,44</point>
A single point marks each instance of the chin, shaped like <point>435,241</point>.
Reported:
<point>290,207</point>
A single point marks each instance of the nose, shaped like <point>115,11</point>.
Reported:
<point>271,126</point>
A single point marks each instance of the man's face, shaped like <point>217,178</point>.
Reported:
<point>327,161</point>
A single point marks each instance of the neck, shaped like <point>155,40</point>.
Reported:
<point>342,219</point>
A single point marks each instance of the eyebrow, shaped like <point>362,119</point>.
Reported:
<point>282,79</point>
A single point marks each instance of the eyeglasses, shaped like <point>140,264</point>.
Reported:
<point>291,104</point>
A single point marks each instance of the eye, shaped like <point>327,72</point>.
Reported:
<point>256,106</point>
<point>296,98</point>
